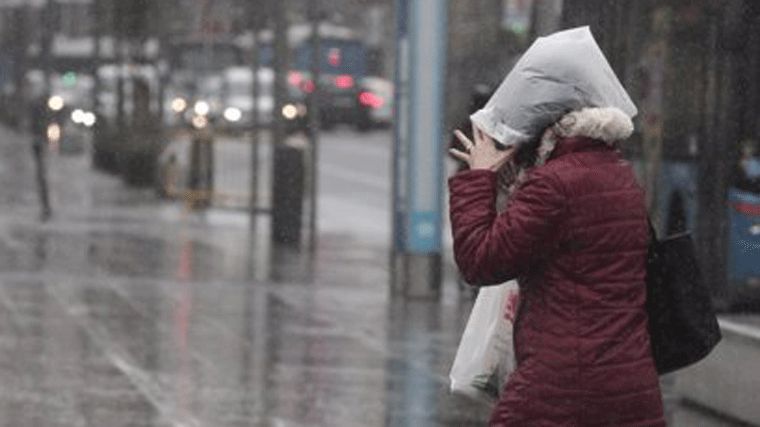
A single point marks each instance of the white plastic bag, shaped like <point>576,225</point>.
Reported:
<point>559,73</point>
<point>485,357</point>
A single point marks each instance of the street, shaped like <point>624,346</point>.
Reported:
<point>126,309</point>
<point>353,178</point>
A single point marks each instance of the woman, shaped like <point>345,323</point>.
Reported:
<point>574,233</point>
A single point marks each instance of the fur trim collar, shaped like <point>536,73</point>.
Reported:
<point>606,124</point>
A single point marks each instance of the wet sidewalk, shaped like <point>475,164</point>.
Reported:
<point>127,310</point>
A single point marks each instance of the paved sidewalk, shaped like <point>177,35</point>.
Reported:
<point>127,310</point>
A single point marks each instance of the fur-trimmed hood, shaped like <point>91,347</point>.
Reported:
<point>606,124</point>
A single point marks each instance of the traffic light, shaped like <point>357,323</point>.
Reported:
<point>70,78</point>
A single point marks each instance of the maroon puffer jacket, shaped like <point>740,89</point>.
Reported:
<point>576,235</point>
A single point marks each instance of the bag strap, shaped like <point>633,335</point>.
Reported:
<point>652,231</point>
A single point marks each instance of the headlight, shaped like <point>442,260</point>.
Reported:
<point>56,103</point>
<point>232,114</point>
<point>755,230</point>
<point>200,121</point>
<point>82,117</point>
<point>179,105</point>
<point>77,116</point>
<point>202,108</point>
<point>54,132</point>
<point>89,119</point>
<point>290,111</point>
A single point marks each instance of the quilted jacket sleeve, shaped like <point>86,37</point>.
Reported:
<point>491,248</point>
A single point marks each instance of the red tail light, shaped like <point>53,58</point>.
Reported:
<point>295,78</point>
<point>307,86</point>
<point>746,208</point>
<point>344,82</point>
<point>371,100</point>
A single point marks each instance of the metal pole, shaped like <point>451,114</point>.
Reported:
<point>96,13</point>
<point>17,44</point>
<point>399,194</point>
<point>255,136</point>
<point>120,90</point>
<point>279,65</point>
<point>547,15</point>
<point>40,144</point>
<point>313,107</point>
<point>288,167</point>
<point>419,150</point>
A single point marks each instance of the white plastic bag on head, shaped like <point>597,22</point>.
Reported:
<point>485,357</point>
<point>563,72</point>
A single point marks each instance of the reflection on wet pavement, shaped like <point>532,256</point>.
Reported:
<point>115,327</point>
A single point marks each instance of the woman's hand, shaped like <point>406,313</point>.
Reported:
<point>483,153</point>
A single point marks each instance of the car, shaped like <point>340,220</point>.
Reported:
<point>376,99</point>
<point>237,98</point>
<point>70,115</point>
<point>224,99</point>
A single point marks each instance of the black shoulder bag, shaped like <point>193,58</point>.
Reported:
<point>682,324</point>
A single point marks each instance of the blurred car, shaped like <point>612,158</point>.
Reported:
<point>224,99</point>
<point>376,99</point>
<point>69,105</point>
<point>237,98</point>
<point>364,104</point>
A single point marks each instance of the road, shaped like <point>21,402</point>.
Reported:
<point>355,184</point>
<point>354,178</point>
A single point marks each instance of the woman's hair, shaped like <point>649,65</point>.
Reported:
<point>510,175</point>
<point>527,152</point>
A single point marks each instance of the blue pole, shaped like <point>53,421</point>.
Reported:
<point>418,150</point>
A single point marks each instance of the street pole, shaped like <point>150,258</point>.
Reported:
<point>313,107</point>
<point>255,130</point>
<point>288,165</point>
<point>120,59</point>
<point>96,13</point>
<point>40,144</point>
<point>17,46</point>
<point>399,197</point>
<point>418,166</point>
<point>279,65</point>
<point>547,16</point>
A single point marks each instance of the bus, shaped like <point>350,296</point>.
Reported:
<point>693,70</point>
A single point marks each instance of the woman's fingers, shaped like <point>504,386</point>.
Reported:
<point>464,140</point>
<point>459,155</point>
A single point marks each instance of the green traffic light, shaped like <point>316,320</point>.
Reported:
<point>70,78</point>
